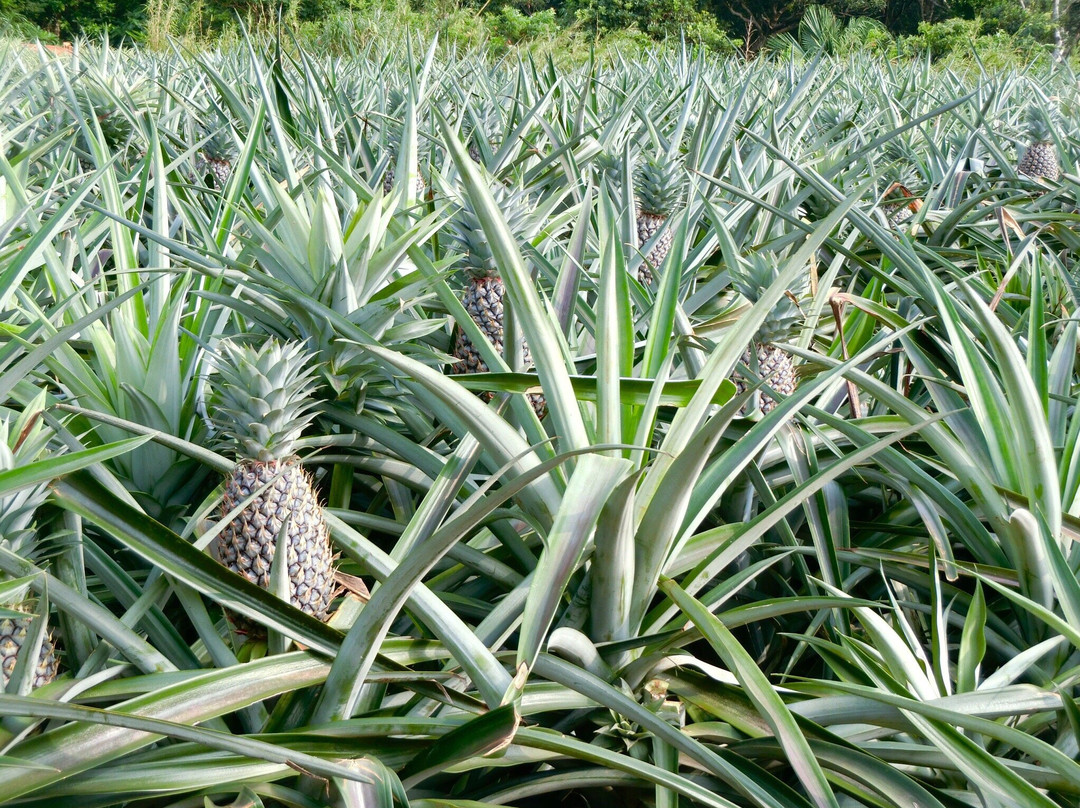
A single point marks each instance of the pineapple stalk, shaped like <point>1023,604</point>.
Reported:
<point>261,402</point>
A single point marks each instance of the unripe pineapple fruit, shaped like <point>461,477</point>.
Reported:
<point>22,443</point>
<point>484,295</point>
<point>1040,159</point>
<point>217,156</point>
<point>261,402</point>
<point>775,366</point>
<point>13,632</point>
<point>396,107</point>
<point>658,188</point>
<point>419,186</point>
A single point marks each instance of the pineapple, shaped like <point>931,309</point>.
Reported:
<point>483,298</point>
<point>901,204</point>
<point>474,152</point>
<point>658,187</point>
<point>1040,159</point>
<point>765,360</point>
<point>396,105</point>
<point>13,631</point>
<point>480,130</point>
<point>99,101</point>
<point>261,402</point>
<point>217,156</point>
<point>609,167</point>
<point>21,443</point>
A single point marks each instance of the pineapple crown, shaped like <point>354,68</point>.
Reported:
<point>219,144</point>
<point>395,100</point>
<point>901,171</point>
<point>833,114</point>
<point>99,99</point>
<point>395,114</point>
<point>469,237</point>
<point>23,440</point>
<point>610,168</point>
<point>261,398</point>
<point>751,278</point>
<point>1039,123</point>
<point>658,184</point>
<point>477,126</point>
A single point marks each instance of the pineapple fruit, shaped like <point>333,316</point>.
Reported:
<point>479,131</point>
<point>484,295</point>
<point>900,204</point>
<point>396,105</point>
<point>419,186</point>
<point>97,99</point>
<point>20,443</point>
<point>766,361</point>
<point>1040,159</point>
<point>217,156</point>
<point>261,402</point>
<point>13,631</point>
<point>658,188</point>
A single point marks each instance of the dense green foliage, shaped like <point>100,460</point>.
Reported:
<point>851,584</point>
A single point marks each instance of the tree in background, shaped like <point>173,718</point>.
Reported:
<point>65,19</point>
<point>756,21</point>
<point>656,18</point>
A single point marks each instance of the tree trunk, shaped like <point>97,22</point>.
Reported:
<point>1059,40</point>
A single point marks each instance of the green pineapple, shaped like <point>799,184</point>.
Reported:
<point>765,360</point>
<point>479,131</point>
<point>483,298</point>
<point>98,100</point>
<point>609,167</point>
<point>1040,159</point>
<point>22,442</point>
<point>395,105</point>
<point>261,402</point>
<point>217,156</point>
<point>658,188</point>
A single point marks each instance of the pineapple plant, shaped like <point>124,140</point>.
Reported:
<point>22,442</point>
<point>658,189</point>
<point>261,400</point>
<point>484,295</point>
<point>764,358</point>
<point>1040,159</point>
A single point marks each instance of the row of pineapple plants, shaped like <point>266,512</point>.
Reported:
<point>738,517</point>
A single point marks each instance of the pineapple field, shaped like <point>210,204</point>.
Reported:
<point>663,430</point>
